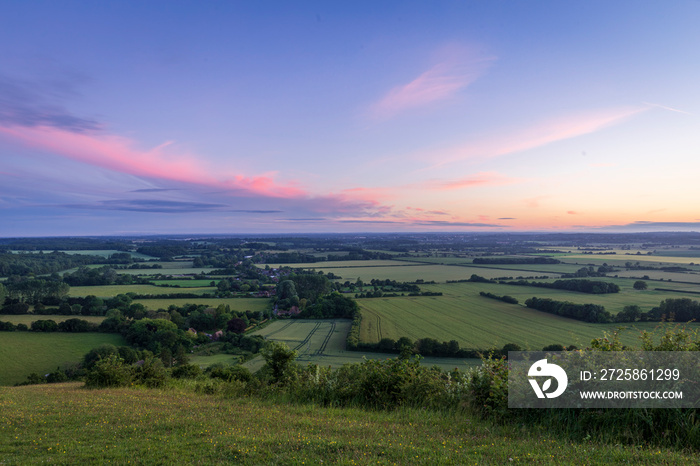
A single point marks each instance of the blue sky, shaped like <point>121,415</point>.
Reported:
<point>255,117</point>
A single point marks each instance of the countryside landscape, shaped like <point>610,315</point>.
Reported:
<point>336,232</point>
<point>239,321</point>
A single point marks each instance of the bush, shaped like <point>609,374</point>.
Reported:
<point>229,373</point>
<point>44,326</point>
<point>150,372</point>
<point>109,372</point>
<point>488,387</point>
<point>186,371</point>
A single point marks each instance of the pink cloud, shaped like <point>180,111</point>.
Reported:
<point>439,83</point>
<point>538,135</point>
<point>572,212</point>
<point>479,179</point>
<point>119,154</point>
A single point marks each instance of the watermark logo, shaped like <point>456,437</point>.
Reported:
<point>542,368</point>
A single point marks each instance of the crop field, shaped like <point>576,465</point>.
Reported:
<point>178,268</point>
<point>108,291</point>
<point>22,353</point>
<point>339,264</point>
<point>613,302</point>
<point>237,304</point>
<point>184,283</point>
<point>620,260</point>
<point>479,322</point>
<point>27,319</point>
<point>322,342</point>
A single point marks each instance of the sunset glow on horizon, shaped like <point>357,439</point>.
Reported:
<point>246,117</point>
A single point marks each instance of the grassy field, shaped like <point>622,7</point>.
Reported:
<point>186,283</point>
<point>67,424</point>
<point>478,322</point>
<point>108,291</point>
<point>322,342</point>
<point>613,302</point>
<point>27,319</point>
<point>22,353</point>
<point>237,304</point>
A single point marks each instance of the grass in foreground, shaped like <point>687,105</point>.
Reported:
<point>65,423</point>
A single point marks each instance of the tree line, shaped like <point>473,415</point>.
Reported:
<point>581,285</point>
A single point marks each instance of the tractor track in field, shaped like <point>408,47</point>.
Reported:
<point>279,329</point>
<point>308,337</point>
<point>322,348</point>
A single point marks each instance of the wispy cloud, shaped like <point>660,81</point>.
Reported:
<point>441,82</point>
<point>536,135</point>
<point>478,179</point>
<point>33,104</point>
<point>667,108</point>
<point>121,155</point>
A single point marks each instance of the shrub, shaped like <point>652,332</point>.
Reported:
<point>488,387</point>
<point>186,371</point>
<point>109,372</point>
<point>150,372</point>
<point>44,326</point>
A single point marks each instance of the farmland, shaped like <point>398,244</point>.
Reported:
<point>480,323</point>
<point>322,342</point>
<point>24,352</point>
<point>236,304</point>
<point>459,313</point>
<point>108,291</point>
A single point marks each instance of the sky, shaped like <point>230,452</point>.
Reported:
<point>236,117</point>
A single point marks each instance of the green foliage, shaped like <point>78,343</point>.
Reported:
<point>586,312</point>
<point>488,387</point>
<point>578,284</point>
<point>279,359</point>
<point>150,372</point>
<point>108,372</point>
<point>44,326</point>
<point>640,285</point>
<point>334,305</point>
<point>380,384</point>
<point>229,373</point>
<point>505,299</point>
<point>186,371</point>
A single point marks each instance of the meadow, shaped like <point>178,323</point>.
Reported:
<point>480,323</point>
<point>175,426</point>
<point>22,353</point>
<point>108,291</point>
<point>27,319</point>
<point>236,304</point>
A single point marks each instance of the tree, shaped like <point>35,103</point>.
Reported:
<point>279,358</point>
<point>640,285</point>
<point>236,325</point>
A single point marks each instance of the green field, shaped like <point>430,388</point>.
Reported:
<point>322,342</point>
<point>237,304</point>
<point>27,319</point>
<point>184,283</point>
<point>613,302</point>
<point>108,291</point>
<point>22,353</point>
<point>479,322</point>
